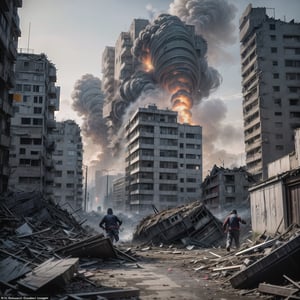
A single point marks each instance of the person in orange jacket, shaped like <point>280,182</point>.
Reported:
<point>232,225</point>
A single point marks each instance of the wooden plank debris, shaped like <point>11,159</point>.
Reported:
<point>284,260</point>
<point>228,268</point>
<point>122,254</point>
<point>11,269</point>
<point>34,233</point>
<point>109,294</point>
<point>257,247</point>
<point>18,257</point>
<point>276,290</point>
<point>292,281</point>
<point>51,272</point>
<point>96,246</point>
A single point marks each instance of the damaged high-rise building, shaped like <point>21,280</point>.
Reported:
<point>36,98</point>
<point>164,61</point>
<point>67,157</point>
<point>164,160</point>
<point>9,33</point>
<point>118,64</point>
<point>271,87</point>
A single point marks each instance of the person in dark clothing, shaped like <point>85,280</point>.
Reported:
<point>111,224</point>
<point>232,224</point>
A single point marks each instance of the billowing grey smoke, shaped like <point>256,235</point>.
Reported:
<point>213,19</point>
<point>176,60</point>
<point>210,114</point>
<point>88,102</point>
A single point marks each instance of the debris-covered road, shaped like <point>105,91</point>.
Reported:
<point>46,252</point>
<point>169,273</point>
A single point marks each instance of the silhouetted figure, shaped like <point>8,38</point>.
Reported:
<point>232,224</point>
<point>111,224</point>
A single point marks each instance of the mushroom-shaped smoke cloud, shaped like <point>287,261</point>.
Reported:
<point>175,57</point>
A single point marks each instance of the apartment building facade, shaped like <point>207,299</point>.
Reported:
<point>270,58</point>
<point>36,98</point>
<point>225,188</point>
<point>68,171</point>
<point>118,64</point>
<point>163,161</point>
<point>9,34</point>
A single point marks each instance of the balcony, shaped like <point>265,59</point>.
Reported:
<point>254,145</point>
<point>51,123</point>
<point>52,73</point>
<point>13,50</point>
<point>52,103</point>
<point>52,91</point>
<point>6,107</point>
<point>254,157</point>
<point>11,78</point>
<point>4,140</point>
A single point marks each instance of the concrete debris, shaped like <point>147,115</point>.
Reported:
<point>271,268</point>
<point>191,224</point>
<point>51,273</point>
<point>37,238</point>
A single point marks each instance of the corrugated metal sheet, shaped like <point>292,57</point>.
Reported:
<point>267,208</point>
<point>293,204</point>
<point>279,166</point>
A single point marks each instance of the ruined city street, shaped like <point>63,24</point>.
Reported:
<point>170,273</point>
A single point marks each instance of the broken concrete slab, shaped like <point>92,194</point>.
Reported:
<point>284,260</point>
<point>96,246</point>
<point>50,273</point>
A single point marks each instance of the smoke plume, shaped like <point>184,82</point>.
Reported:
<point>210,114</point>
<point>171,63</point>
<point>213,19</point>
<point>88,102</point>
<point>175,59</point>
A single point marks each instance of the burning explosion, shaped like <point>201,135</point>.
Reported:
<point>173,58</point>
<point>170,56</point>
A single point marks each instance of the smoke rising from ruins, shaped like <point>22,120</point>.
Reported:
<point>213,20</point>
<point>173,65</point>
<point>88,102</point>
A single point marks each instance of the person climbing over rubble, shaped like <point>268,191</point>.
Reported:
<point>232,225</point>
<point>111,224</point>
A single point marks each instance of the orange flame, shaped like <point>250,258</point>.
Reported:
<point>148,67</point>
<point>183,105</point>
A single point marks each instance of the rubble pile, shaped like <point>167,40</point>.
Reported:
<point>188,224</point>
<point>267,265</point>
<point>37,241</point>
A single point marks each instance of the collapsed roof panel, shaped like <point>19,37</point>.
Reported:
<point>191,224</point>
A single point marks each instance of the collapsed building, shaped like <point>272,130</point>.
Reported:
<point>189,224</point>
<point>41,245</point>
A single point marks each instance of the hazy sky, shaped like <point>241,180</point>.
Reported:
<point>74,33</point>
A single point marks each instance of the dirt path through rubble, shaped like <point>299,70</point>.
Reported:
<point>164,274</point>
